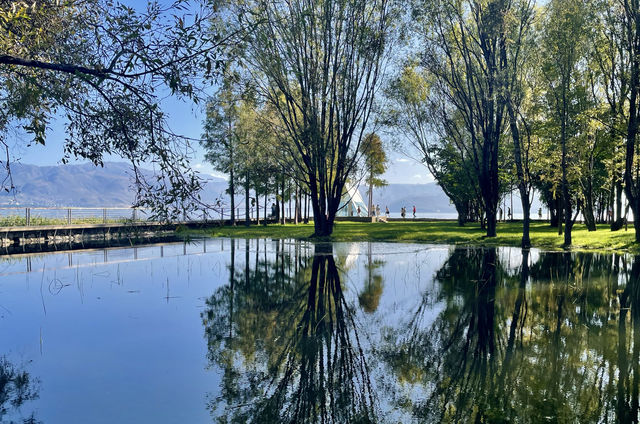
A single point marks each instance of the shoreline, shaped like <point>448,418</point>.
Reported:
<point>542,235</point>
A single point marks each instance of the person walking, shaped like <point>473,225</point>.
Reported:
<point>414,211</point>
<point>403,212</point>
<point>358,210</point>
<point>377,210</point>
<point>386,211</point>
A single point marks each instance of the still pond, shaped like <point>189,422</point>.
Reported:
<point>221,330</point>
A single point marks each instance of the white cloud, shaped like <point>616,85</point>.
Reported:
<point>219,175</point>
<point>402,160</point>
<point>418,177</point>
<point>198,165</point>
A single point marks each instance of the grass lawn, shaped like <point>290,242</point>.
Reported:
<point>448,232</point>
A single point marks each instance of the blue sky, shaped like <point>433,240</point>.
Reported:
<point>185,119</point>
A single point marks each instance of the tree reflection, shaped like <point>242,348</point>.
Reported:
<point>369,297</point>
<point>16,389</point>
<point>556,341</point>
<point>289,348</point>
<point>535,337</point>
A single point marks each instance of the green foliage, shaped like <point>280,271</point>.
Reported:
<point>375,160</point>
<point>105,67</point>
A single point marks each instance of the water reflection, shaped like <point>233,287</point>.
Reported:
<point>290,352</point>
<point>17,388</point>
<point>500,335</point>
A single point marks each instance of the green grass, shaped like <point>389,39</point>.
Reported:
<point>444,232</point>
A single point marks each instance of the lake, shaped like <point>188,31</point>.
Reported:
<point>221,330</point>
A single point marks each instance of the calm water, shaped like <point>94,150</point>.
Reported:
<point>284,331</point>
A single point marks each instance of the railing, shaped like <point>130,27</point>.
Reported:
<point>15,216</point>
<point>35,216</point>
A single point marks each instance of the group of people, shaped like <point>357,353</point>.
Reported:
<point>376,211</point>
<point>403,212</point>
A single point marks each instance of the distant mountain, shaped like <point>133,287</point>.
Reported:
<point>428,198</point>
<point>81,185</point>
<point>110,186</point>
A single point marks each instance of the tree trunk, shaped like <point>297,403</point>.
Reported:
<point>463,213</point>
<point>247,219</point>
<point>632,132</point>
<point>619,219</point>
<point>290,215</point>
<point>488,178</point>
<point>522,182</point>
<point>284,216</point>
<point>265,207</point>
<point>276,216</point>
<point>589,218</point>
<point>296,205</point>
<point>232,193</point>
<point>258,209</point>
<point>566,199</point>
<point>371,212</point>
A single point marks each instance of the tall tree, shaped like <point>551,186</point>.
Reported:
<point>435,136</point>
<point>220,139</point>
<point>564,39</point>
<point>515,43</point>
<point>375,164</point>
<point>463,41</point>
<point>631,25</point>
<point>610,58</point>
<point>319,64</point>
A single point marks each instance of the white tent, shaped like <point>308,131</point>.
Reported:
<point>350,201</point>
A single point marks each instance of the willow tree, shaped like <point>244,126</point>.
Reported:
<point>463,42</point>
<point>564,42</point>
<point>436,137</point>
<point>515,57</point>
<point>319,64</point>
<point>610,59</point>
<point>631,24</point>
<point>105,68</point>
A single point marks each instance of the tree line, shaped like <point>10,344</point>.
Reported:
<point>490,95</point>
<point>505,94</point>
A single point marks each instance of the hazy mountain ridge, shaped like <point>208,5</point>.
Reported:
<point>426,197</point>
<point>109,186</point>
<point>81,185</point>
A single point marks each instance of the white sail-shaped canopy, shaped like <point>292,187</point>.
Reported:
<point>350,201</point>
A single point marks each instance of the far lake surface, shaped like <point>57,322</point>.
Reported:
<point>267,331</point>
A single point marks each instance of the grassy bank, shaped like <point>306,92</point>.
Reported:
<point>509,234</point>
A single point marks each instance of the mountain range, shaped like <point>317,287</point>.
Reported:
<point>110,186</point>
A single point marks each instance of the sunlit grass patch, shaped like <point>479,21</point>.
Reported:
<point>445,232</point>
